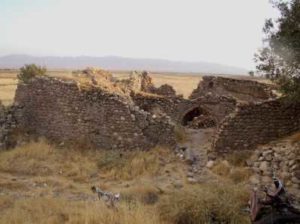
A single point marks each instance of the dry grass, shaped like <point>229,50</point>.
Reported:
<point>220,203</point>
<point>295,138</point>
<point>182,83</point>
<point>8,87</point>
<point>130,165</point>
<point>221,168</point>
<point>212,203</point>
<point>234,173</point>
<point>52,211</point>
<point>238,158</point>
<point>40,158</point>
<point>144,194</point>
<point>180,134</point>
<point>240,174</point>
<point>69,172</point>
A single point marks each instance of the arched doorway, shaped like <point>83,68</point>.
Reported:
<point>197,118</point>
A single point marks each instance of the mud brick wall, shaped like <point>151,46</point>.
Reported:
<point>65,112</point>
<point>253,124</point>
<point>245,90</point>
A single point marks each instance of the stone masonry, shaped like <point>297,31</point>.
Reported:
<point>177,107</point>
<point>8,126</point>
<point>66,112</point>
<point>257,123</point>
<point>96,110</point>
<point>242,90</point>
<point>281,159</point>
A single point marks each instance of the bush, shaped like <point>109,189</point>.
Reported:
<point>239,158</point>
<point>212,203</point>
<point>28,72</point>
<point>221,168</point>
<point>129,165</point>
<point>143,194</point>
<point>180,134</point>
<point>240,174</point>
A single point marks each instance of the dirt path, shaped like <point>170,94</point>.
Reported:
<point>199,142</point>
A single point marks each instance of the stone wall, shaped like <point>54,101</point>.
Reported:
<point>253,124</point>
<point>244,90</point>
<point>8,126</point>
<point>217,107</point>
<point>164,90</point>
<point>281,159</point>
<point>142,82</point>
<point>3,126</point>
<point>66,112</point>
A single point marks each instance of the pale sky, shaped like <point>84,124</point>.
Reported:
<point>221,31</point>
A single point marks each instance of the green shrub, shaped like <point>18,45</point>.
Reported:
<point>28,72</point>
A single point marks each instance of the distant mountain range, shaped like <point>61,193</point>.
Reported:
<point>119,63</point>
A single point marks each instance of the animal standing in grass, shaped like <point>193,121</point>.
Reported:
<point>109,198</point>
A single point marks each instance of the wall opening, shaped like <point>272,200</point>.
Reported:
<point>198,118</point>
<point>189,116</point>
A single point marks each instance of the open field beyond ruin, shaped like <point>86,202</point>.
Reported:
<point>183,84</point>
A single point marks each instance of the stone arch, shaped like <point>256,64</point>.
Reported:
<point>198,117</point>
<point>190,114</point>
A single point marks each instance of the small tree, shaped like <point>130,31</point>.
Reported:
<point>279,59</point>
<point>251,73</point>
<point>28,72</point>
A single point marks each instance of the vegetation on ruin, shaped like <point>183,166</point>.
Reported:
<point>27,72</point>
<point>279,59</point>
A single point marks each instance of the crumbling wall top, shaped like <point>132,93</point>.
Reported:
<point>240,89</point>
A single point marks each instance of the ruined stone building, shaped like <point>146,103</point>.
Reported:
<point>93,111</point>
<point>96,110</point>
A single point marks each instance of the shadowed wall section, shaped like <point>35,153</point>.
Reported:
<point>253,124</point>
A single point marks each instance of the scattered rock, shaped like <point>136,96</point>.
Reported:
<point>295,180</point>
<point>191,180</point>
<point>210,164</point>
<point>254,179</point>
<point>190,174</point>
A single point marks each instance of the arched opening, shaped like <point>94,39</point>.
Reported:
<point>189,116</point>
<point>198,118</point>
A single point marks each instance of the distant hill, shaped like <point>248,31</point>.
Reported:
<point>119,63</point>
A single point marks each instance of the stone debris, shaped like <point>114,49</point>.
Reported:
<point>276,160</point>
<point>202,121</point>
